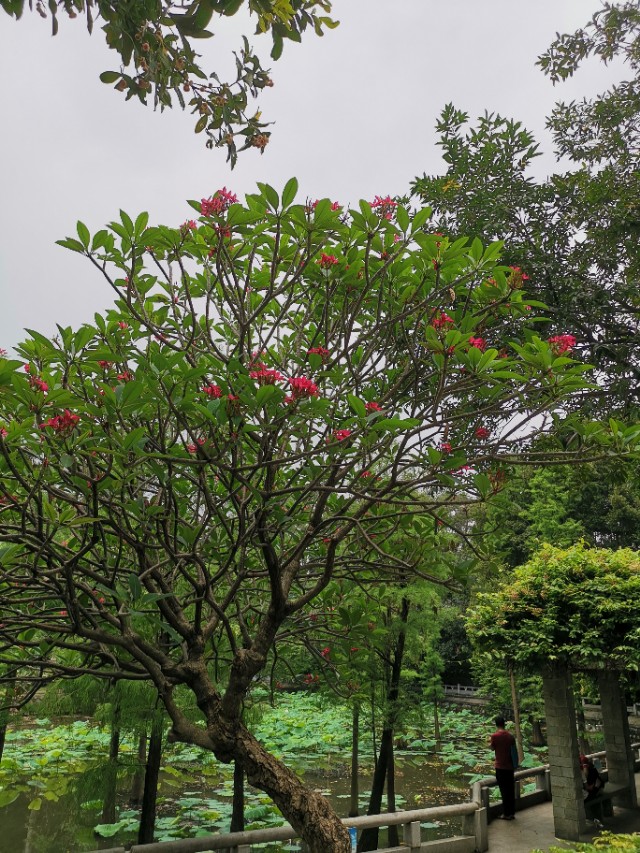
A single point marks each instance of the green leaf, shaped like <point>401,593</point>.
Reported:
<point>289,192</point>
<point>72,244</point>
<point>135,586</point>
<point>420,218</point>
<point>357,405</point>
<point>110,76</point>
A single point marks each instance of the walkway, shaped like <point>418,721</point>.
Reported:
<point>533,828</point>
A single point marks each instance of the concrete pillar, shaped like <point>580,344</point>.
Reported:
<point>617,741</point>
<point>566,779</point>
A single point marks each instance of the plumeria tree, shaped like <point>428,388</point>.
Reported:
<point>275,385</point>
<point>158,63</point>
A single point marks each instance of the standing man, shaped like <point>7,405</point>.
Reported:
<point>501,743</point>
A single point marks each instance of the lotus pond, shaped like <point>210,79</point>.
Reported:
<point>52,775</point>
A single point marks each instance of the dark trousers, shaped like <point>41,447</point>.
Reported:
<point>507,787</point>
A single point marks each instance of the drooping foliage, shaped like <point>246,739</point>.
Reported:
<point>154,40</point>
<point>573,607</point>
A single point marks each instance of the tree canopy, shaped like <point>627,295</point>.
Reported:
<point>154,40</point>
<point>573,607</point>
<point>278,390</point>
<point>575,234</point>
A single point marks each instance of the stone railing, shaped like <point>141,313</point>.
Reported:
<point>473,834</point>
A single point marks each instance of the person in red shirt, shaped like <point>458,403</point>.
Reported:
<point>501,743</point>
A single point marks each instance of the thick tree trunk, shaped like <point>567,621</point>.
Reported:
<point>516,714</point>
<point>355,743</point>
<point>137,783</point>
<point>369,838</point>
<point>583,741</point>
<point>5,713</point>
<point>154,757</point>
<point>391,795</point>
<point>537,737</point>
<point>111,772</point>
<point>237,814</point>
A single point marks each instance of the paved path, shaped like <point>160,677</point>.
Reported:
<point>533,828</point>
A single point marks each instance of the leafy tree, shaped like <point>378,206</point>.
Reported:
<point>572,607</point>
<point>275,385</point>
<point>574,234</point>
<point>154,40</point>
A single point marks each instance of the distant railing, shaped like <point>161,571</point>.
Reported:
<point>460,690</point>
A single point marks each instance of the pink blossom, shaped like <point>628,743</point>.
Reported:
<point>219,202</point>
<point>440,320</point>
<point>327,261</point>
<point>302,387</point>
<point>125,376</point>
<point>321,351</point>
<point>39,384</point>
<point>385,206</point>
<point>62,424</point>
<point>193,448</point>
<point>213,391</point>
<point>373,407</point>
<point>342,434</point>
<point>334,206</point>
<point>478,343</point>
<point>3,352</point>
<point>562,343</point>
<point>3,432</point>
<point>266,376</point>
<point>122,325</point>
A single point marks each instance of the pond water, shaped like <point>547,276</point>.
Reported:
<point>66,825</point>
<point>52,782</point>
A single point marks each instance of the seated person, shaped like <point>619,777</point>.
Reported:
<point>593,782</point>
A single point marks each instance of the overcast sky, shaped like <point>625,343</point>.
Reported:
<point>354,114</point>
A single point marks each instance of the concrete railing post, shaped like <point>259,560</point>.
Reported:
<point>411,835</point>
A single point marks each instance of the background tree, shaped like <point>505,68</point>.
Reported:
<point>154,40</point>
<point>182,478</point>
<point>575,234</point>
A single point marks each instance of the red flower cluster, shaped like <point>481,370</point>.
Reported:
<point>62,424</point>
<point>3,432</point>
<point>478,343</point>
<point>321,351</point>
<point>125,376</point>
<point>219,202</point>
<point>325,653</point>
<point>517,273</point>
<point>342,434</point>
<point>311,679</point>
<point>38,384</point>
<point>266,376</point>
<point>302,387</point>
<point>213,391</point>
<point>327,261</point>
<point>334,206</point>
<point>104,364</point>
<point>482,433</point>
<point>373,407</point>
<point>193,448</point>
<point>440,320</point>
<point>561,343</point>
<point>386,206</point>
<point>445,447</point>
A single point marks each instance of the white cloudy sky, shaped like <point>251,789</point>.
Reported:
<point>354,115</point>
